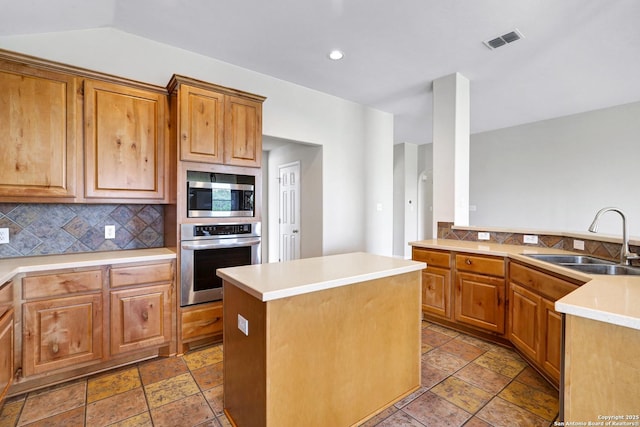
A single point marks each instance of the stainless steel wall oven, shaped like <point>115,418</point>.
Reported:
<point>206,247</point>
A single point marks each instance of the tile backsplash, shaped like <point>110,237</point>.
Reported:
<point>45,229</point>
<point>446,230</point>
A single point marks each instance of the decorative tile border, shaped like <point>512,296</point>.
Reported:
<point>47,229</point>
<point>606,250</point>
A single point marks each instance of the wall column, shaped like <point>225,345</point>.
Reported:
<point>450,150</point>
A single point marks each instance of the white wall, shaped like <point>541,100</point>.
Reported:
<point>556,174</point>
<point>311,203</point>
<point>344,129</point>
<point>405,185</point>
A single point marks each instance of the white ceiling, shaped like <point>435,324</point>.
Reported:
<point>577,55</point>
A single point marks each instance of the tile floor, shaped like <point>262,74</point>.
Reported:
<point>465,381</point>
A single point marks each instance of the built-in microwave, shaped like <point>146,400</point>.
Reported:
<point>219,200</point>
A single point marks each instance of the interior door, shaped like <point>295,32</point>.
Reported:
<point>289,211</point>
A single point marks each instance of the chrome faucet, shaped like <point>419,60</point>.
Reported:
<point>625,255</point>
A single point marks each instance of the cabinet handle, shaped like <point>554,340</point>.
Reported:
<point>55,348</point>
<point>467,261</point>
<point>145,315</point>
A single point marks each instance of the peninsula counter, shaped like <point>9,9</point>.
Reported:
<point>328,341</point>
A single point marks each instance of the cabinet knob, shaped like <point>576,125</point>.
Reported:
<point>145,315</point>
<point>467,261</point>
<point>55,348</point>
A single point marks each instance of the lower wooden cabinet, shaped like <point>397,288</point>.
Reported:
<point>61,332</point>
<point>436,282</point>
<point>480,301</point>
<point>79,321</point>
<point>140,318</point>
<point>6,353</point>
<point>535,328</point>
<point>141,306</point>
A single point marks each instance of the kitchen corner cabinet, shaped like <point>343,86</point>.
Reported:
<point>7,341</point>
<point>535,328</point>
<point>436,281</point>
<point>125,146</point>
<point>480,292</point>
<point>40,136</point>
<point>215,124</point>
<point>62,320</point>
<point>141,306</point>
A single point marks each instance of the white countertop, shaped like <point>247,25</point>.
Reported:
<point>610,299</point>
<point>273,281</point>
<point>9,267</point>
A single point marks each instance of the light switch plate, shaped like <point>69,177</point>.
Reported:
<point>578,244</point>
<point>4,235</point>
<point>531,238</point>
<point>483,235</point>
<point>243,325</point>
<point>109,231</point>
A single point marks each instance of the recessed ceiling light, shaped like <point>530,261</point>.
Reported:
<point>336,55</point>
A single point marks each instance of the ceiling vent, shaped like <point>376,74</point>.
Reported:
<point>504,39</point>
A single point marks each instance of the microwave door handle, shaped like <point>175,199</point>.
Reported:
<point>193,247</point>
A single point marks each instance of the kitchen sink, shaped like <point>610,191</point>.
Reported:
<point>569,259</point>
<point>608,269</point>
<point>588,264</point>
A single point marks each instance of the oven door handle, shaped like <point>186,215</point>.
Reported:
<point>235,244</point>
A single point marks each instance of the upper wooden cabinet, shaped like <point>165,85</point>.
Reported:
<point>243,132</point>
<point>39,138</point>
<point>125,131</point>
<point>215,124</point>
<point>201,132</point>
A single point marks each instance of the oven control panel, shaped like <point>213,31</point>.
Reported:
<point>210,231</point>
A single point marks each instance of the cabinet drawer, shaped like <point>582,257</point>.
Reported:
<point>150,273</point>
<point>549,286</point>
<point>202,322</point>
<point>480,264</point>
<point>432,258</point>
<point>6,297</point>
<point>51,285</point>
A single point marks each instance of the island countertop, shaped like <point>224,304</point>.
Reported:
<point>272,281</point>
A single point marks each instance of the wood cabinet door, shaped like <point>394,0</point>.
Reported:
<point>6,353</point>
<point>242,132</point>
<point>38,119</point>
<point>201,125</point>
<point>124,142</point>
<point>61,332</point>
<point>436,291</point>
<point>140,318</point>
<point>524,320</point>
<point>551,340</point>
<point>480,301</point>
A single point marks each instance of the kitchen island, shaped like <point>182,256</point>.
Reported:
<point>327,341</point>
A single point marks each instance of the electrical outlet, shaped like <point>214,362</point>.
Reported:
<point>109,231</point>
<point>4,235</point>
<point>578,244</point>
<point>531,238</point>
<point>482,235</point>
<point>243,325</point>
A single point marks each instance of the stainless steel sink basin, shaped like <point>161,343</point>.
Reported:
<point>569,259</point>
<point>614,270</point>
<point>588,264</point>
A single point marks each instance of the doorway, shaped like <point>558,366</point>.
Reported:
<point>289,213</point>
<point>282,152</point>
